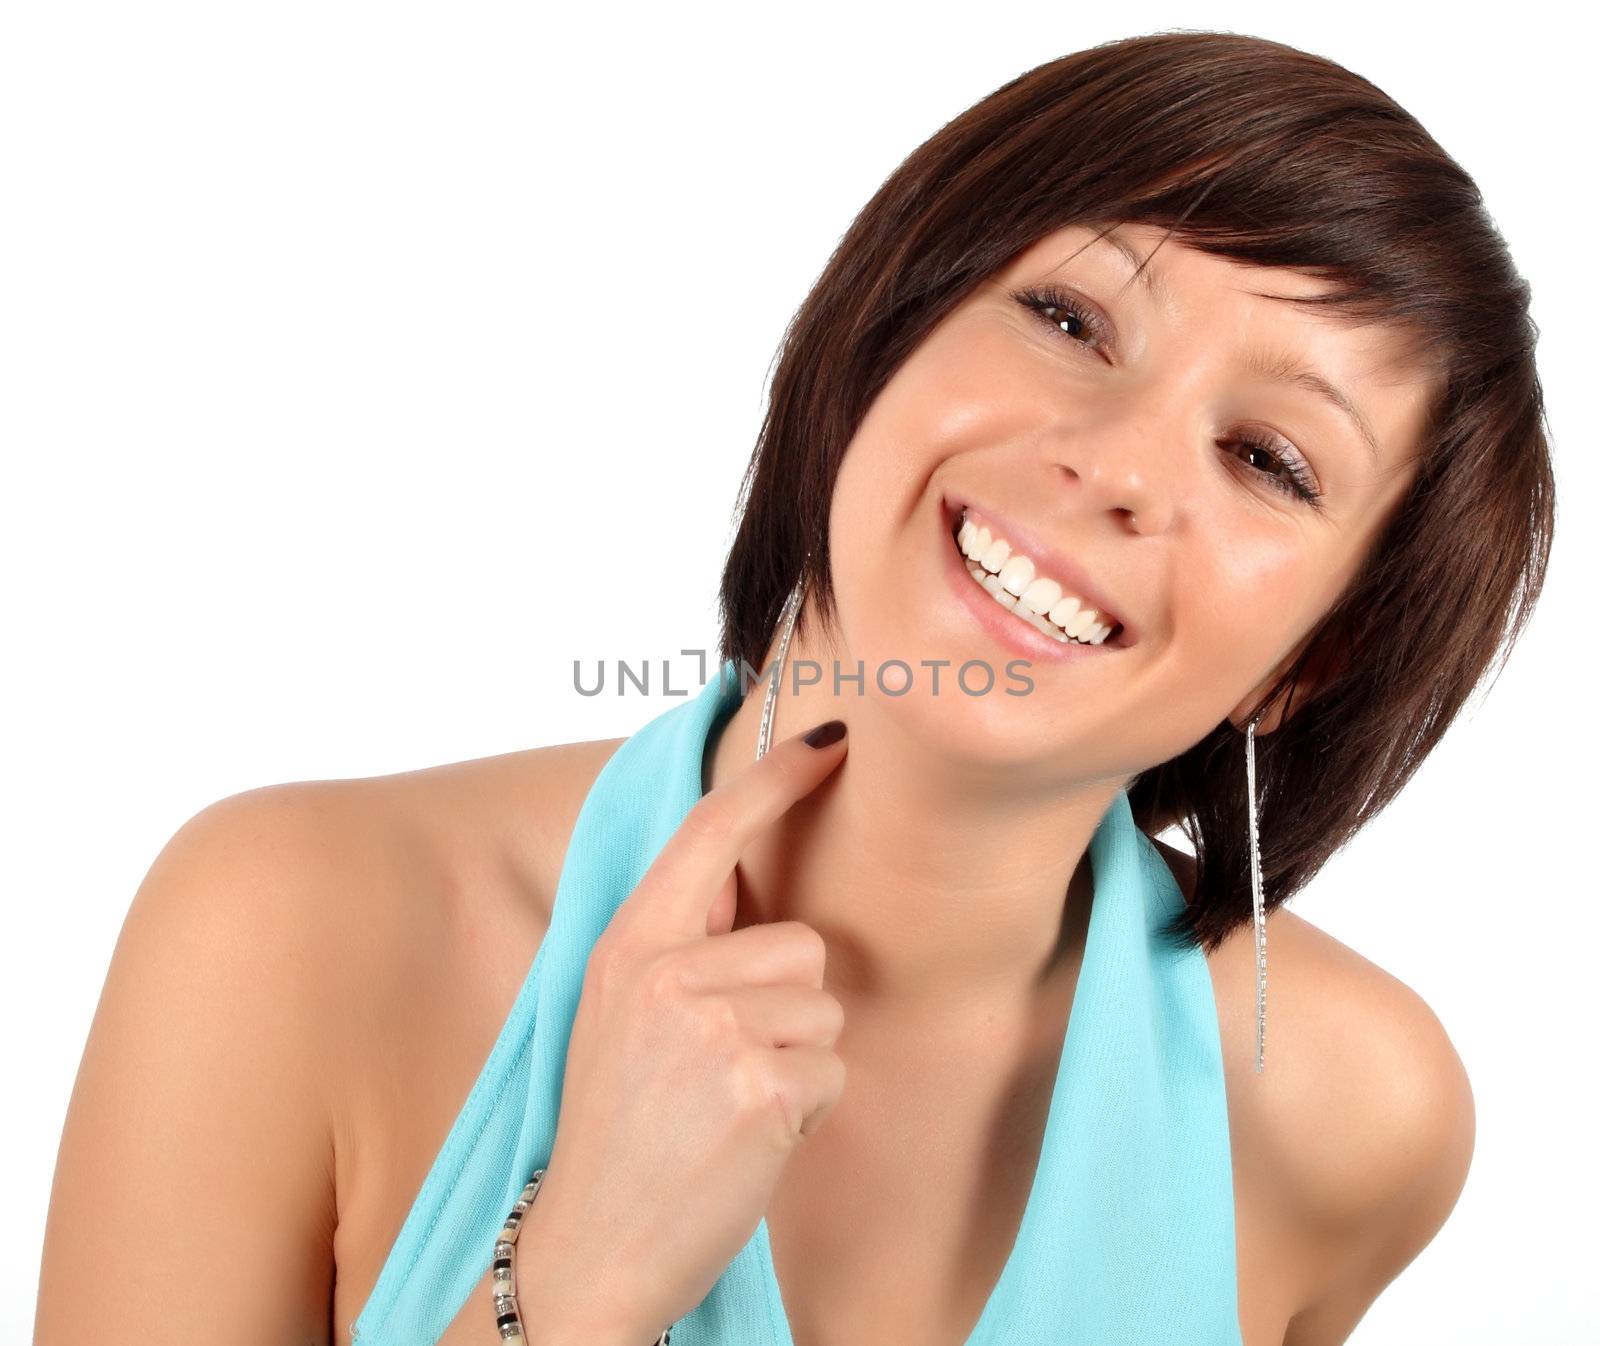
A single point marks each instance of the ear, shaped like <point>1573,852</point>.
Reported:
<point>1318,671</point>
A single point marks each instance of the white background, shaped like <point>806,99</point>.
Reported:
<point>362,365</point>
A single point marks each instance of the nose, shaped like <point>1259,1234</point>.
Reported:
<point>1110,473</point>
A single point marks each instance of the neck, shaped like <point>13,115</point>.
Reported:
<point>935,894</point>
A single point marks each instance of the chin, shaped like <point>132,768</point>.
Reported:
<point>988,714</point>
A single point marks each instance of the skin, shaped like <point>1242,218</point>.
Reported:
<point>956,962</point>
<point>1122,458</point>
<point>312,975</point>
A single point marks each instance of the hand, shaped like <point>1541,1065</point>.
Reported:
<point>699,1057</point>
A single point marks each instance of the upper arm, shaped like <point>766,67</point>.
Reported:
<point>193,1198</point>
<point>1397,1130</point>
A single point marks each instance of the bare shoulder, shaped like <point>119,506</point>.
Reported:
<point>449,834</point>
<point>436,879</point>
<point>202,1091</point>
<point>436,883</point>
<point>530,801</point>
<point>1358,1136</point>
<point>279,937</point>
<point>457,923</point>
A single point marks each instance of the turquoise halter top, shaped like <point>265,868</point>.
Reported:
<point>1127,1236</point>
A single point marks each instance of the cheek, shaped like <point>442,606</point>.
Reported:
<point>859,517</point>
<point>913,425</point>
<point>968,387</point>
<point>1242,606</point>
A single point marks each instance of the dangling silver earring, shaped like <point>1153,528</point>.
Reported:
<point>791,609</point>
<point>1257,903</point>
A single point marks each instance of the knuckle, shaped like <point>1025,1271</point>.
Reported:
<point>709,819</point>
<point>759,1095</point>
<point>796,770</point>
<point>718,1021</point>
<point>788,765</point>
<point>617,964</point>
<point>832,1016</point>
<point>608,960</point>
<point>662,980</point>
<point>811,944</point>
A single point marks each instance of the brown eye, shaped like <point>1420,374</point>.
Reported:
<point>1065,314</point>
<point>1291,475</point>
<point>1066,319</point>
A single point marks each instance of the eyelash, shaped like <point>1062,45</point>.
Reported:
<point>1297,480</point>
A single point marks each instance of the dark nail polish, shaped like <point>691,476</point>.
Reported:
<point>824,734</point>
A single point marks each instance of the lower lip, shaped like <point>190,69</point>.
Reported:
<point>1005,626</point>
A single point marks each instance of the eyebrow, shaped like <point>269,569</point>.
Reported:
<point>1276,369</point>
<point>1285,369</point>
<point>1154,286</point>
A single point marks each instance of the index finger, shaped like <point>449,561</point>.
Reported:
<point>682,882</point>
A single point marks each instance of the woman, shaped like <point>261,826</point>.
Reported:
<point>1185,386</point>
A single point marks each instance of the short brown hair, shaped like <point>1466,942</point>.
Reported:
<point>1252,150</point>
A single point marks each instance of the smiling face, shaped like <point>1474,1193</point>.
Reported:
<point>1133,441</point>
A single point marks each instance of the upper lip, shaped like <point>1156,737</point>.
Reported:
<point>1050,561</point>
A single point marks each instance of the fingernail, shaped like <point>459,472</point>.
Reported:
<point>830,732</point>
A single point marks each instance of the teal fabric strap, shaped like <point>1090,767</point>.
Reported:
<point>1128,1231</point>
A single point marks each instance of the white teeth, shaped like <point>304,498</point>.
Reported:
<point>992,584</point>
<point>995,555</point>
<point>1000,596</point>
<point>1013,581</point>
<point>1082,620</point>
<point>1042,595</point>
<point>1065,611</point>
<point>1016,574</point>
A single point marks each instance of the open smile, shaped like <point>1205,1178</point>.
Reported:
<point>1011,587</point>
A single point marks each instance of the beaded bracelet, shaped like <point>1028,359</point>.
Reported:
<point>503,1285</point>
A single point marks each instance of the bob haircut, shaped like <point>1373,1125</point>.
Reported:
<point>1252,150</point>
